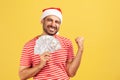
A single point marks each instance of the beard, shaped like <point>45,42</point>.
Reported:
<point>47,30</point>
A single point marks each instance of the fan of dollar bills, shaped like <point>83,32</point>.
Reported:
<point>46,43</point>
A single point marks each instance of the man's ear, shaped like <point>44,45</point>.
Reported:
<point>42,21</point>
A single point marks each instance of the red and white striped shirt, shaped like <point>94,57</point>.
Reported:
<point>55,69</point>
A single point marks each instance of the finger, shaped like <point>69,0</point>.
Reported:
<point>47,58</point>
<point>79,39</point>
<point>82,39</point>
<point>45,54</point>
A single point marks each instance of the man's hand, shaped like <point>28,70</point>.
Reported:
<point>73,66</point>
<point>44,58</point>
<point>80,41</point>
<point>26,72</point>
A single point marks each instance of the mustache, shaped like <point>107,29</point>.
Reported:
<point>55,27</point>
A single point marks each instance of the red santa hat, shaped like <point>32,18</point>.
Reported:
<point>52,11</point>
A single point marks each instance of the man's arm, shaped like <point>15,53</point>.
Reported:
<point>26,72</point>
<point>73,65</point>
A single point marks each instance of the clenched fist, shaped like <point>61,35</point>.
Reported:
<point>44,58</point>
<point>80,41</point>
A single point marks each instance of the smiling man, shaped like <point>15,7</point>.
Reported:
<point>58,65</point>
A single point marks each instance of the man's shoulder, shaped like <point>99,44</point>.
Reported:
<point>64,38</point>
<point>66,41</point>
<point>31,42</point>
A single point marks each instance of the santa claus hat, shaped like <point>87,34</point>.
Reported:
<point>52,11</point>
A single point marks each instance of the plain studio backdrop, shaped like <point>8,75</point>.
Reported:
<point>97,20</point>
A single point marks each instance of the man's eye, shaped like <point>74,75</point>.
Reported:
<point>49,19</point>
<point>58,22</point>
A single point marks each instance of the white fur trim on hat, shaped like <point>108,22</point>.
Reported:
<point>51,12</point>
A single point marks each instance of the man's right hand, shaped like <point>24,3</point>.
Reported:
<point>26,72</point>
<point>44,58</point>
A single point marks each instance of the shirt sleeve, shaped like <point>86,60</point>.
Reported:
<point>25,59</point>
<point>70,50</point>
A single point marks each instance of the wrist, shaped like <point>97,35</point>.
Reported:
<point>41,65</point>
<point>80,50</point>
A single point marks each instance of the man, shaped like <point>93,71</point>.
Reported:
<point>64,64</point>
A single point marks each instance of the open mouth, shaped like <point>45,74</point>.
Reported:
<point>52,29</point>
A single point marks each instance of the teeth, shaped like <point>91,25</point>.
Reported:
<point>52,29</point>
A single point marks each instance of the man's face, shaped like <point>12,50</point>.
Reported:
<point>51,25</point>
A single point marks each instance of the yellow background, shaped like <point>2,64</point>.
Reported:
<point>97,20</point>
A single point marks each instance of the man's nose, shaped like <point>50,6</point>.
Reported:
<point>53,24</point>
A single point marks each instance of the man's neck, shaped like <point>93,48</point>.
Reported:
<point>46,34</point>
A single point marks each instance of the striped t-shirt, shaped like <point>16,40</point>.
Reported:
<point>55,69</point>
